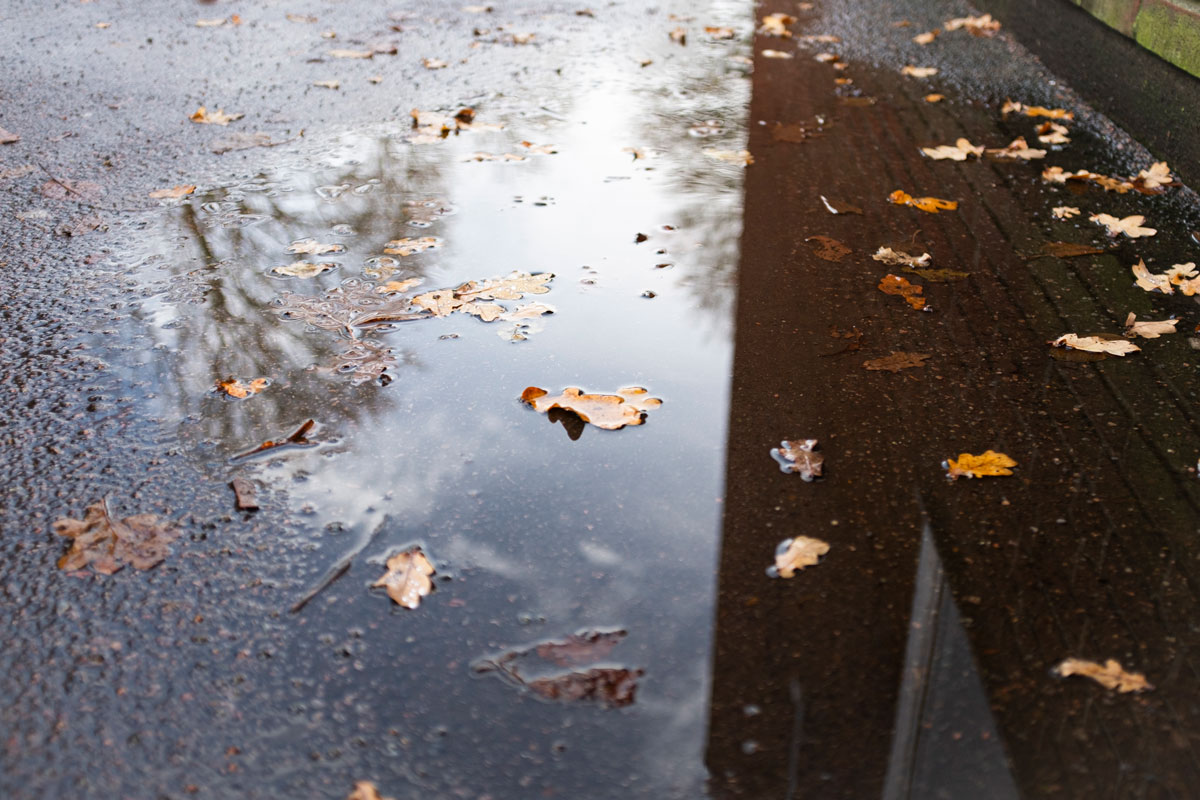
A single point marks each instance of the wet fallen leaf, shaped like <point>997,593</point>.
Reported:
<point>1153,179</point>
<point>434,63</point>
<point>1110,675</point>
<point>1150,281</point>
<point>398,286</point>
<point>1017,148</point>
<point>678,35</point>
<point>799,457</point>
<point>843,81</point>
<point>927,37</point>
<point>328,84</point>
<point>303,269</point>
<point>1053,133</point>
<point>1185,277</point>
<point>8,137</point>
<point>407,578</point>
<point>897,361</point>
<point>243,389</point>
<point>1059,175</point>
<point>305,18</point>
<point>107,543</point>
<point>352,53</point>
<point>103,25</point>
<point>346,308</point>
<point>894,284</point>
<point>982,25</point>
<point>1065,212</point>
<point>580,648</point>
<point>822,38</point>
<point>825,58</point>
<point>218,22</point>
<point>742,157</point>
<point>218,117</point>
<point>934,98</point>
<point>895,258</point>
<point>1149,329</point>
<point>828,249</point>
<point>365,790</point>
<point>1096,344</point>
<point>410,246</point>
<point>539,149</point>
<point>81,226</point>
<point>366,360</point>
<point>931,205</point>
<point>971,466</point>
<point>173,194</point>
<point>796,554</point>
<point>1131,226</point>
<point>244,494</point>
<point>312,247</point>
<point>918,72</point>
<point>777,25</point>
<point>834,207</point>
<point>774,54</point>
<point>959,151</point>
<point>1010,107</point>
<point>719,32</point>
<point>628,406</point>
<point>375,79</point>
<point>610,686</point>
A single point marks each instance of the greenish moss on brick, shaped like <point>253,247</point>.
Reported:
<point>1172,31</point>
<point>1116,14</point>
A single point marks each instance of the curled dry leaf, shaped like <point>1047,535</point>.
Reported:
<point>799,456</point>
<point>930,205</point>
<point>827,248</point>
<point>611,412</point>
<point>1017,148</point>
<point>796,554</point>
<point>774,54</point>
<point>1131,226</point>
<point>1110,675</point>
<point>1010,107</point>
<point>902,287</point>
<point>959,151</point>
<point>897,258</point>
<point>303,269</point>
<point>1065,212</point>
<point>742,157</point>
<point>218,117</point>
<point>407,578</point>
<point>107,544</point>
<point>313,248</point>
<point>777,25</point>
<point>365,790</point>
<point>918,72</point>
<point>1149,329</point>
<point>1052,133</point>
<point>173,194</point>
<point>243,389</point>
<point>897,361</point>
<point>1096,344</point>
<point>990,463</point>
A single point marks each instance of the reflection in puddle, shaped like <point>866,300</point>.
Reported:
<point>404,255</point>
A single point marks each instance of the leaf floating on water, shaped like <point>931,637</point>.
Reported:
<point>241,389</point>
<point>1065,212</point>
<point>777,25</point>
<point>611,412</point>
<point>107,544</point>
<point>798,457</point>
<point>1110,675</point>
<point>894,284</point>
<point>314,248</point>
<point>1018,148</point>
<point>1185,277</point>
<point>796,554</point>
<point>398,286</point>
<point>1152,180</point>
<point>365,790</point>
<point>1131,226</point>
<point>931,205</point>
<point>580,648</point>
<point>410,246</point>
<point>1096,344</point>
<point>407,578</point>
<point>959,151</point>
<point>827,248</point>
<point>742,157</point>
<point>1149,329</point>
<point>990,463</point>
<point>366,360</point>
<point>897,361</point>
<point>218,117</point>
<point>918,72</point>
<point>614,687</point>
<point>244,494</point>
<point>172,194</point>
<point>896,258</point>
<point>1152,282</point>
<point>303,269</point>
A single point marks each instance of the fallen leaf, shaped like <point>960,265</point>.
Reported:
<point>720,32</point>
<point>822,38</point>
<point>328,84</point>
<point>1059,175</point>
<point>244,495</point>
<point>1110,676</point>
<point>1149,329</point>
<point>839,208</point>
<point>959,151</point>
<point>796,554</point>
<point>410,246</point>
<point>352,53</point>
<point>828,249</point>
<point>303,269</point>
<point>81,226</point>
<point>825,58</point>
<point>777,25</point>
<point>989,463</point>
<point>794,132</point>
<point>346,308</point>
<point>434,63</point>
<point>628,406</point>
<point>1017,148</point>
<point>894,284</point>
<point>1151,180</point>
<point>218,117</point>
<point>982,25</point>
<point>407,578</point>
<point>103,25</point>
<point>742,157</point>
<point>934,98</point>
<point>918,72</point>
<point>173,194</point>
<point>314,248</point>
<point>1130,226</point>
<point>843,82</point>
<point>1152,282</point>
<point>580,648</point>
<point>1053,133</point>
<point>8,137</point>
<point>1035,111</point>
<point>243,389</point>
<point>1096,344</point>
<point>611,686</point>
<point>375,79</point>
<point>895,258</point>
<point>927,37</point>
<point>678,35</point>
<point>305,18</point>
<point>798,456</point>
<point>931,205</point>
<point>107,544</point>
<point>1065,212</point>
<point>365,790</point>
<point>1185,277</point>
<point>774,54</point>
<point>897,361</point>
<point>365,360</point>
<point>218,22</point>
<point>398,286</point>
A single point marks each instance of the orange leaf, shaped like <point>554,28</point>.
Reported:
<point>894,284</point>
<point>930,204</point>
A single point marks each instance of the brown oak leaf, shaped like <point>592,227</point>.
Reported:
<point>107,544</point>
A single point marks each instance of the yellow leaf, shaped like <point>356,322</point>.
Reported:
<point>1130,226</point>
<point>1110,676</point>
<point>398,286</point>
<point>365,790</point>
<point>1096,344</point>
<point>239,389</point>
<point>931,205</point>
<point>959,151</point>
<point>776,25</point>
<point>774,54</point>
<point>989,463</point>
<point>1065,212</point>
<point>407,577</point>
<point>218,117</point>
<point>173,194</point>
<point>796,554</point>
<point>894,284</point>
<point>1052,133</point>
<point>608,411</point>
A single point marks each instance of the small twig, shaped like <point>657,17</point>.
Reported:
<point>339,569</point>
<point>297,437</point>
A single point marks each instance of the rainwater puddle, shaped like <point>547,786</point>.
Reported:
<point>538,527</point>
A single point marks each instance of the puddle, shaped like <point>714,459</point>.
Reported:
<point>538,528</point>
